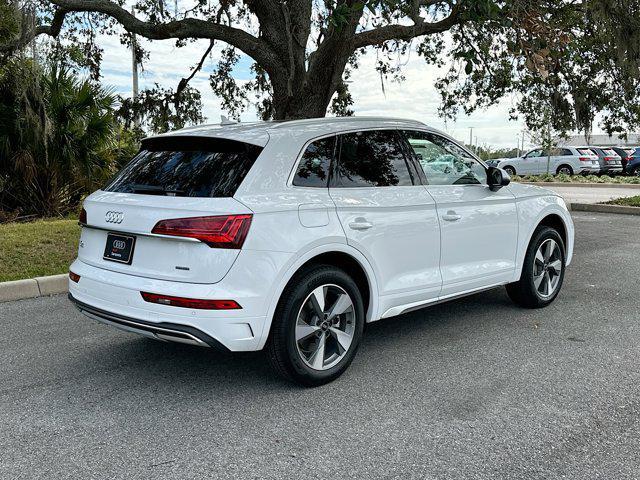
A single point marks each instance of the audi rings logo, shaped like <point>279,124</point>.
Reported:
<point>114,217</point>
<point>119,244</point>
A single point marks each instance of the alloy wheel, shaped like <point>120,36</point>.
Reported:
<point>547,268</point>
<point>325,327</point>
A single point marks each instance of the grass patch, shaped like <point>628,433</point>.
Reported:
<point>561,178</point>
<point>626,201</point>
<point>35,249</point>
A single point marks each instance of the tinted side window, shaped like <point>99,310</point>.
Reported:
<point>371,159</point>
<point>444,162</point>
<point>315,164</point>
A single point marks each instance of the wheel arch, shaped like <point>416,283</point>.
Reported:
<point>569,166</point>
<point>340,255</point>
<point>556,222</point>
<point>550,211</point>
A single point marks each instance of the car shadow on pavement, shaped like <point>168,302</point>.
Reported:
<point>152,362</point>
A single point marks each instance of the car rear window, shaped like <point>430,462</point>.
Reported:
<point>187,167</point>
<point>585,151</point>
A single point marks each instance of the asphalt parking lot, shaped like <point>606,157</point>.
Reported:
<point>477,388</point>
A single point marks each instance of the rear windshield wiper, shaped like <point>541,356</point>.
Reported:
<point>155,190</point>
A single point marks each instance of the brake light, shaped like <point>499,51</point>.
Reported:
<point>82,220</point>
<point>225,231</point>
<point>585,159</point>
<point>190,302</point>
<point>609,159</point>
<point>74,277</point>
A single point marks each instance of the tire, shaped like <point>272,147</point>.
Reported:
<point>299,360</point>
<point>566,169</point>
<point>636,172</point>
<point>525,292</point>
<point>510,170</point>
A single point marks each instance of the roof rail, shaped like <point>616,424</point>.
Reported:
<point>306,121</point>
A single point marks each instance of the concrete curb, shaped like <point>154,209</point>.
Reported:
<point>34,287</point>
<point>584,185</point>
<point>601,208</point>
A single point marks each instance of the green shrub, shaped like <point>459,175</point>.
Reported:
<point>58,138</point>
<point>562,178</point>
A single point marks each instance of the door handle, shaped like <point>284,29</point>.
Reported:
<point>451,216</point>
<point>360,224</point>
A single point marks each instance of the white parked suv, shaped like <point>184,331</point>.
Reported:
<point>289,236</point>
<point>566,160</point>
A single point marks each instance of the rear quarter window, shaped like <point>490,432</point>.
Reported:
<point>314,167</point>
<point>187,166</point>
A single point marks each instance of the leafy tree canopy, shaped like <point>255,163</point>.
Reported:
<point>562,61</point>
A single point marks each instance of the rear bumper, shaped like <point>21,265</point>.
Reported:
<point>590,169</point>
<point>161,330</point>
<point>630,167</point>
<point>114,298</point>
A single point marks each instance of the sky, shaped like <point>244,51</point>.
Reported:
<point>415,98</point>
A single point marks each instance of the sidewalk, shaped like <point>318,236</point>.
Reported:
<point>573,194</point>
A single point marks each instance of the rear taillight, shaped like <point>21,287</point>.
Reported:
<point>225,231</point>
<point>74,277</point>
<point>82,220</point>
<point>585,159</point>
<point>609,159</point>
<point>190,302</point>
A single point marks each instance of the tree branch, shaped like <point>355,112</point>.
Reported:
<point>28,34</point>
<point>260,51</point>
<point>380,35</point>
<point>185,81</point>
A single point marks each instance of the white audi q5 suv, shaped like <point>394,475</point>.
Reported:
<point>290,236</point>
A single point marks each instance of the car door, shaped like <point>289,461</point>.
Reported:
<point>388,215</point>
<point>532,162</point>
<point>478,226</point>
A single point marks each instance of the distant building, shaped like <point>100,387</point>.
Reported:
<point>633,140</point>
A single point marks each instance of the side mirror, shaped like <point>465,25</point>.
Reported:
<point>497,178</point>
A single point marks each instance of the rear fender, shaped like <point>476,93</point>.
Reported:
<point>300,260</point>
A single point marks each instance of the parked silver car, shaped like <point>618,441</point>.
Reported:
<point>567,160</point>
<point>610,161</point>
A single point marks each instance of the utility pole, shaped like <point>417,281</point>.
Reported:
<point>471,137</point>
<point>134,63</point>
<point>134,73</point>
